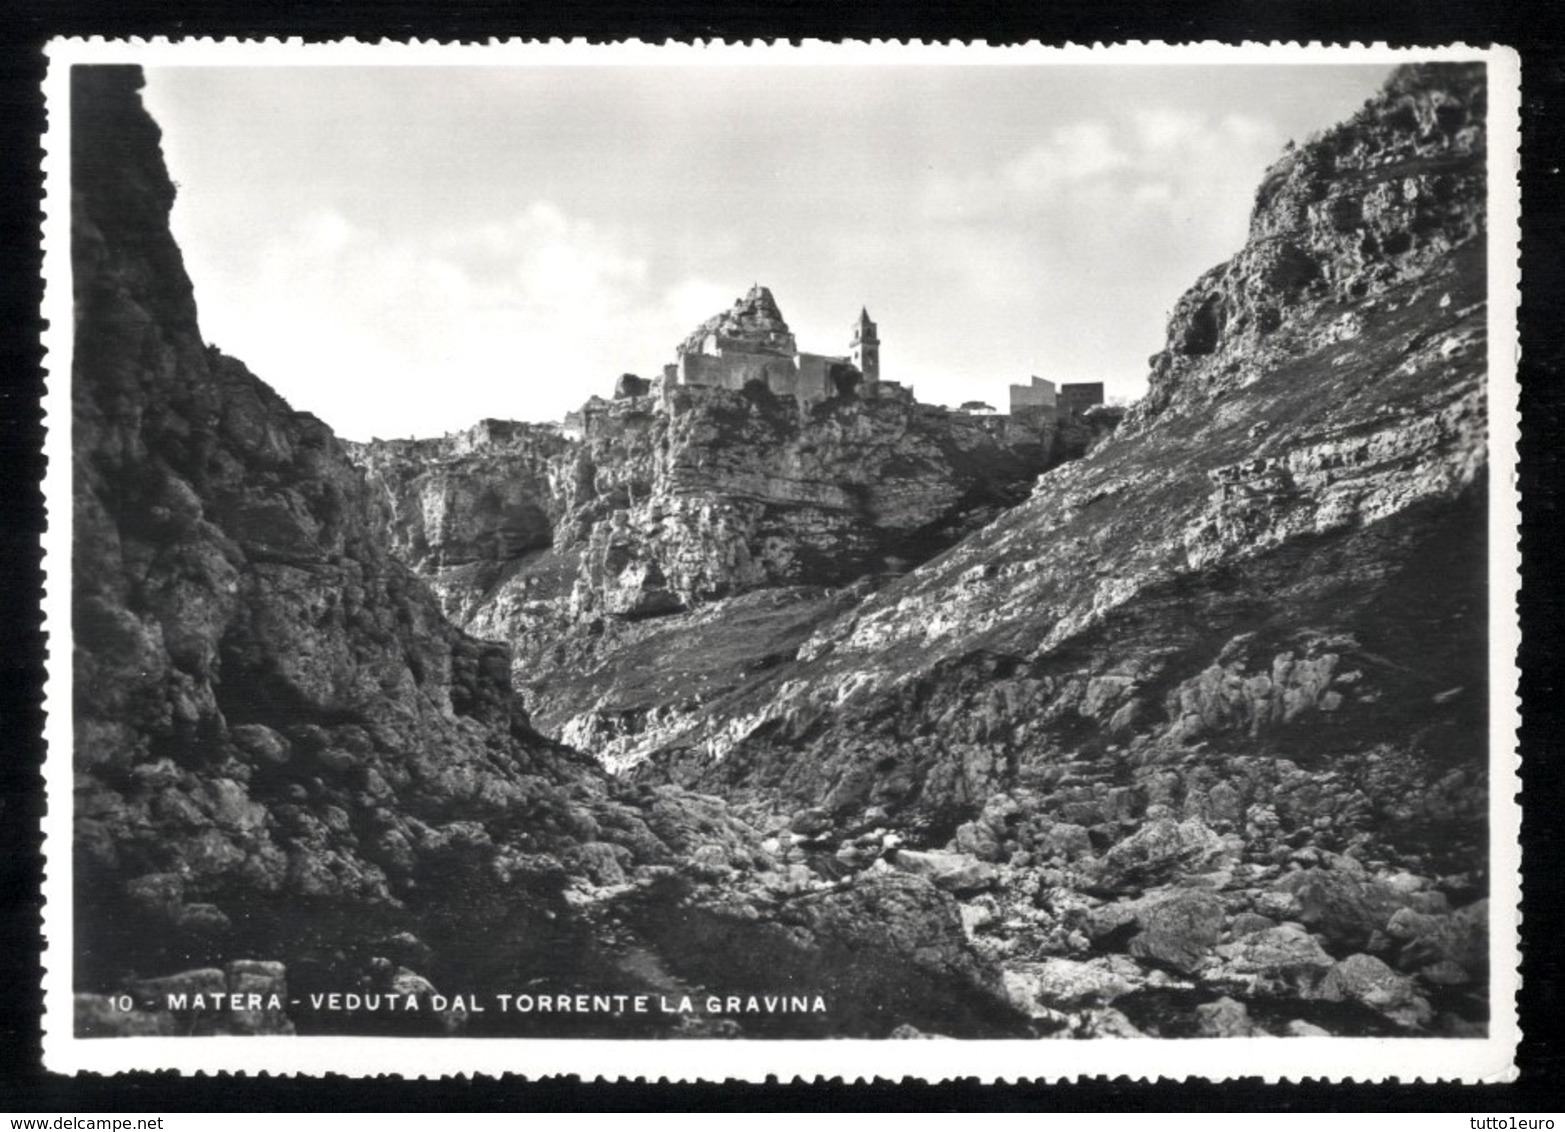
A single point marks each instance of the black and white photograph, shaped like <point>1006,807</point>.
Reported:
<point>707,560</point>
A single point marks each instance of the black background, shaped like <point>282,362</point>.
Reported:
<point>1535,29</point>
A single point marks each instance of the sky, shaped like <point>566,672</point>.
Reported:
<point>404,251</point>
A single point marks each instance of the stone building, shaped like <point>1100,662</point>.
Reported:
<point>629,385</point>
<point>1042,400</point>
<point>1076,398</point>
<point>865,353</point>
<point>751,342</point>
<point>575,424</point>
<point>1036,401</point>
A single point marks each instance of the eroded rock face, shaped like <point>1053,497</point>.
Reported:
<point>1294,566</point>
<point>294,772</point>
<point>678,513</point>
<point>1238,648</point>
<point>1356,212</point>
<point>267,705</point>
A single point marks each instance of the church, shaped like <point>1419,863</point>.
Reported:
<point>751,342</point>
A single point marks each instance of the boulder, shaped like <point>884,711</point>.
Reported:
<point>1460,938</point>
<point>1246,923</point>
<point>1285,960</point>
<point>160,891</point>
<point>953,872</point>
<point>978,914</point>
<point>1110,1023</point>
<point>1445,973</point>
<point>1038,989</point>
<point>1063,840</point>
<point>811,823</point>
<point>599,861</point>
<point>1159,851</point>
<point>261,743</point>
<point>1225,1018</point>
<point>710,862</point>
<point>1174,928</point>
<point>266,978</point>
<point>1178,928</point>
<point>203,921</point>
<point>979,839</point>
<point>1344,908</point>
<point>1366,980</point>
<point>905,1032</point>
<point>403,948</point>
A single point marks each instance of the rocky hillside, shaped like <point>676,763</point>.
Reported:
<point>690,538</point>
<point>1200,729</point>
<point>292,770</point>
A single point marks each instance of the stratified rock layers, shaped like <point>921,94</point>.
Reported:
<point>278,735</point>
<point>1256,615</point>
<point>1281,552</point>
<point>294,775</point>
<point>619,565</point>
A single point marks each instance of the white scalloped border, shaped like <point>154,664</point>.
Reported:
<point>1488,1060</point>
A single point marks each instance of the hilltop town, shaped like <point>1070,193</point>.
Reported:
<point>751,344</point>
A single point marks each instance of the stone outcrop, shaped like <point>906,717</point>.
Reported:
<point>268,706</point>
<point>629,385</point>
<point>294,772</point>
<point>754,325</point>
<point>713,526</point>
<point>1362,209</point>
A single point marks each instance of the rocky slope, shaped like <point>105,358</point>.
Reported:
<point>689,539</point>
<point>1199,731</point>
<point>293,772</point>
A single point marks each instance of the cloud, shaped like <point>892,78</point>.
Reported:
<point>419,323</point>
<point>1149,158</point>
<point>414,334</point>
<point>1068,252</point>
<point>1074,154</point>
<point>541,258</point>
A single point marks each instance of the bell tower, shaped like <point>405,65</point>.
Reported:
<point>866,348</point>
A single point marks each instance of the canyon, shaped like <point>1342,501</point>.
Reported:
<point>973,727</point>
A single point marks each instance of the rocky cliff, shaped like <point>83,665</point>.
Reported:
<point>689,539</point>
<point>292,770</point>
<point>1200,728</point>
